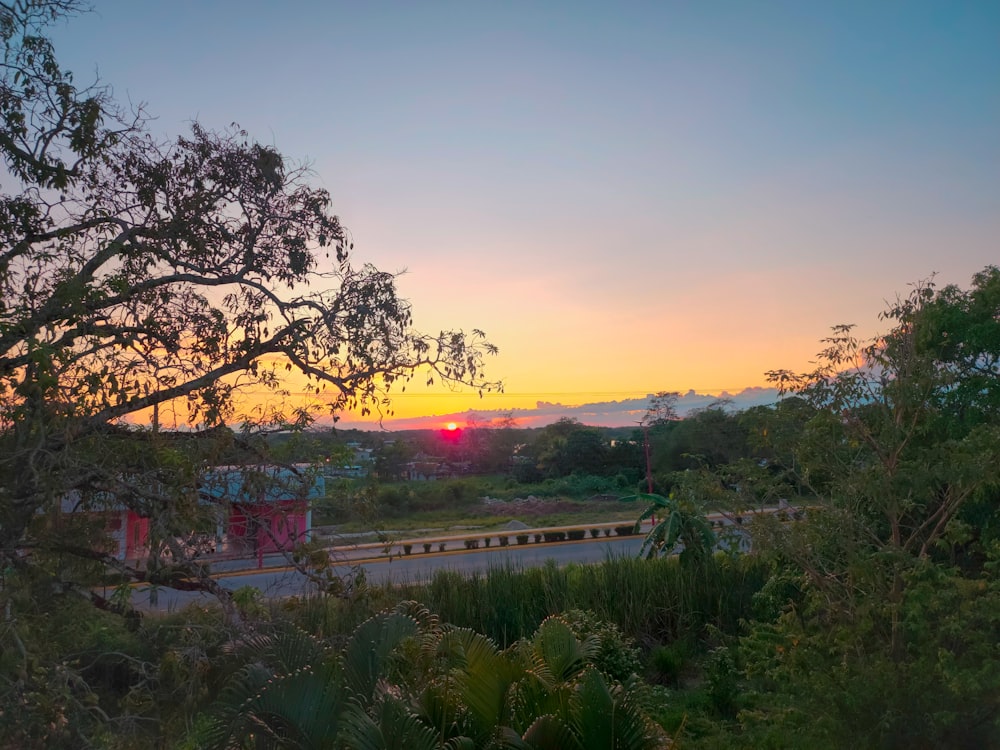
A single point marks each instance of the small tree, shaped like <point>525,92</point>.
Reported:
<point>682,525</point>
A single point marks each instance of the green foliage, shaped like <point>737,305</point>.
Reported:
<point>669,660</point>
<point>682,524</point>
<point>711,437</point>
<point>841,685</point>
<point>867,635</point>
<point>567,447</point>
<point>722,678</point>
<point>617,655</point>
<point>65,665</point>
<point>406,680</point>
<point>249,600</point>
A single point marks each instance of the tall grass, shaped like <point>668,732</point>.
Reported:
<point>658,599</point>
<point>651,600</point>
<point>504,603</point>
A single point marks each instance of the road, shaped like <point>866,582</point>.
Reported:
<point>279,582</point>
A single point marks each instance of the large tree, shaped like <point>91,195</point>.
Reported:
<point>906,427</point>
<point>882,624</point>
<point>139,277</point>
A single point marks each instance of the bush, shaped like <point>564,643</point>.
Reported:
<point>441,546</point>
<point>522,538</point>
<point>486,541</point>
<point>538,538</point>
<point>472,544</point>
<point>625,530</point>
<point>594,533</point>
<point>575,535</point>
<point>668,661</point>
<point>503,541</point>
<point>407,549</point>
<point>617,656</point>
<point>427,546</point>
<point>722,680</point>
<point>554,536</point>
<point>394,501</point>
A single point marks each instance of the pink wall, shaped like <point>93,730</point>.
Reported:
<point>268,528</point>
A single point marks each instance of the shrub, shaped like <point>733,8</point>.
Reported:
<point>594,533</point>
<point>441,546</point>
<point>554,536</point>
<point>617,655</point>
<point>522,538</point>
<point>503,541</point>
<point>472,544</point>
<point>721,672</point>
<point>576,535</point>
<point>538,538</point>
<point>668,661</point>
<point>427,546</point>
<point>407,549</point>
<point>607,532</point>
<point>625,530</point>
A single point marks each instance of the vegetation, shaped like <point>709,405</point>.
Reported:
<point>136,273</point>
<point>856,640</point>
<point>406,680</point>
<point>154,282</point>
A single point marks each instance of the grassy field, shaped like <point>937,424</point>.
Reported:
<point>472,503</point>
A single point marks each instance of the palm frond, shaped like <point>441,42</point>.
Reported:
<point>392,727</point>
<point>368,649</point>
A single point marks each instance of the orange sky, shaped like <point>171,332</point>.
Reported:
<point>627,198</point>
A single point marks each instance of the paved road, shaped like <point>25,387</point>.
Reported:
<point>414,568</point>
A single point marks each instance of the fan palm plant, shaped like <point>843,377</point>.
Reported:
<point>406,681</point>
<point>292,692</point>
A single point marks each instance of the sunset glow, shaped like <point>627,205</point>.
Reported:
<point>751,177</point>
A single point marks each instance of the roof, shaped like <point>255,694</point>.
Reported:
<point>261,484</point>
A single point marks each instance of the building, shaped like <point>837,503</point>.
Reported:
<point>259,509</point>
<point>264,508</point>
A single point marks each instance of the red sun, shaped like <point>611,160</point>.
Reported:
<point>451,433</point>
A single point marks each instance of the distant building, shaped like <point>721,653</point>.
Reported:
<point>261,509</point>
<point>359,466</point>
<point>127,531</point>
<point>266,508</point>
<point>424,468</point>
<point>352,471</point>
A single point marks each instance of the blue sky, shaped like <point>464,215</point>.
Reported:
<point>627,197</point>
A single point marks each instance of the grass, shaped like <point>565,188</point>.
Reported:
<point>655,601</point>
<point>357,505</point>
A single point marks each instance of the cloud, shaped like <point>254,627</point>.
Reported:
<point>624,413</point>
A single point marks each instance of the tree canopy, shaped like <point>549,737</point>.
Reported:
<point>906,428</point>
<point>138,275</point>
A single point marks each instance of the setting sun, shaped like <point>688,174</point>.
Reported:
<point>452,427</point>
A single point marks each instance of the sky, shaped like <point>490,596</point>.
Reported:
<point>626,197</point>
